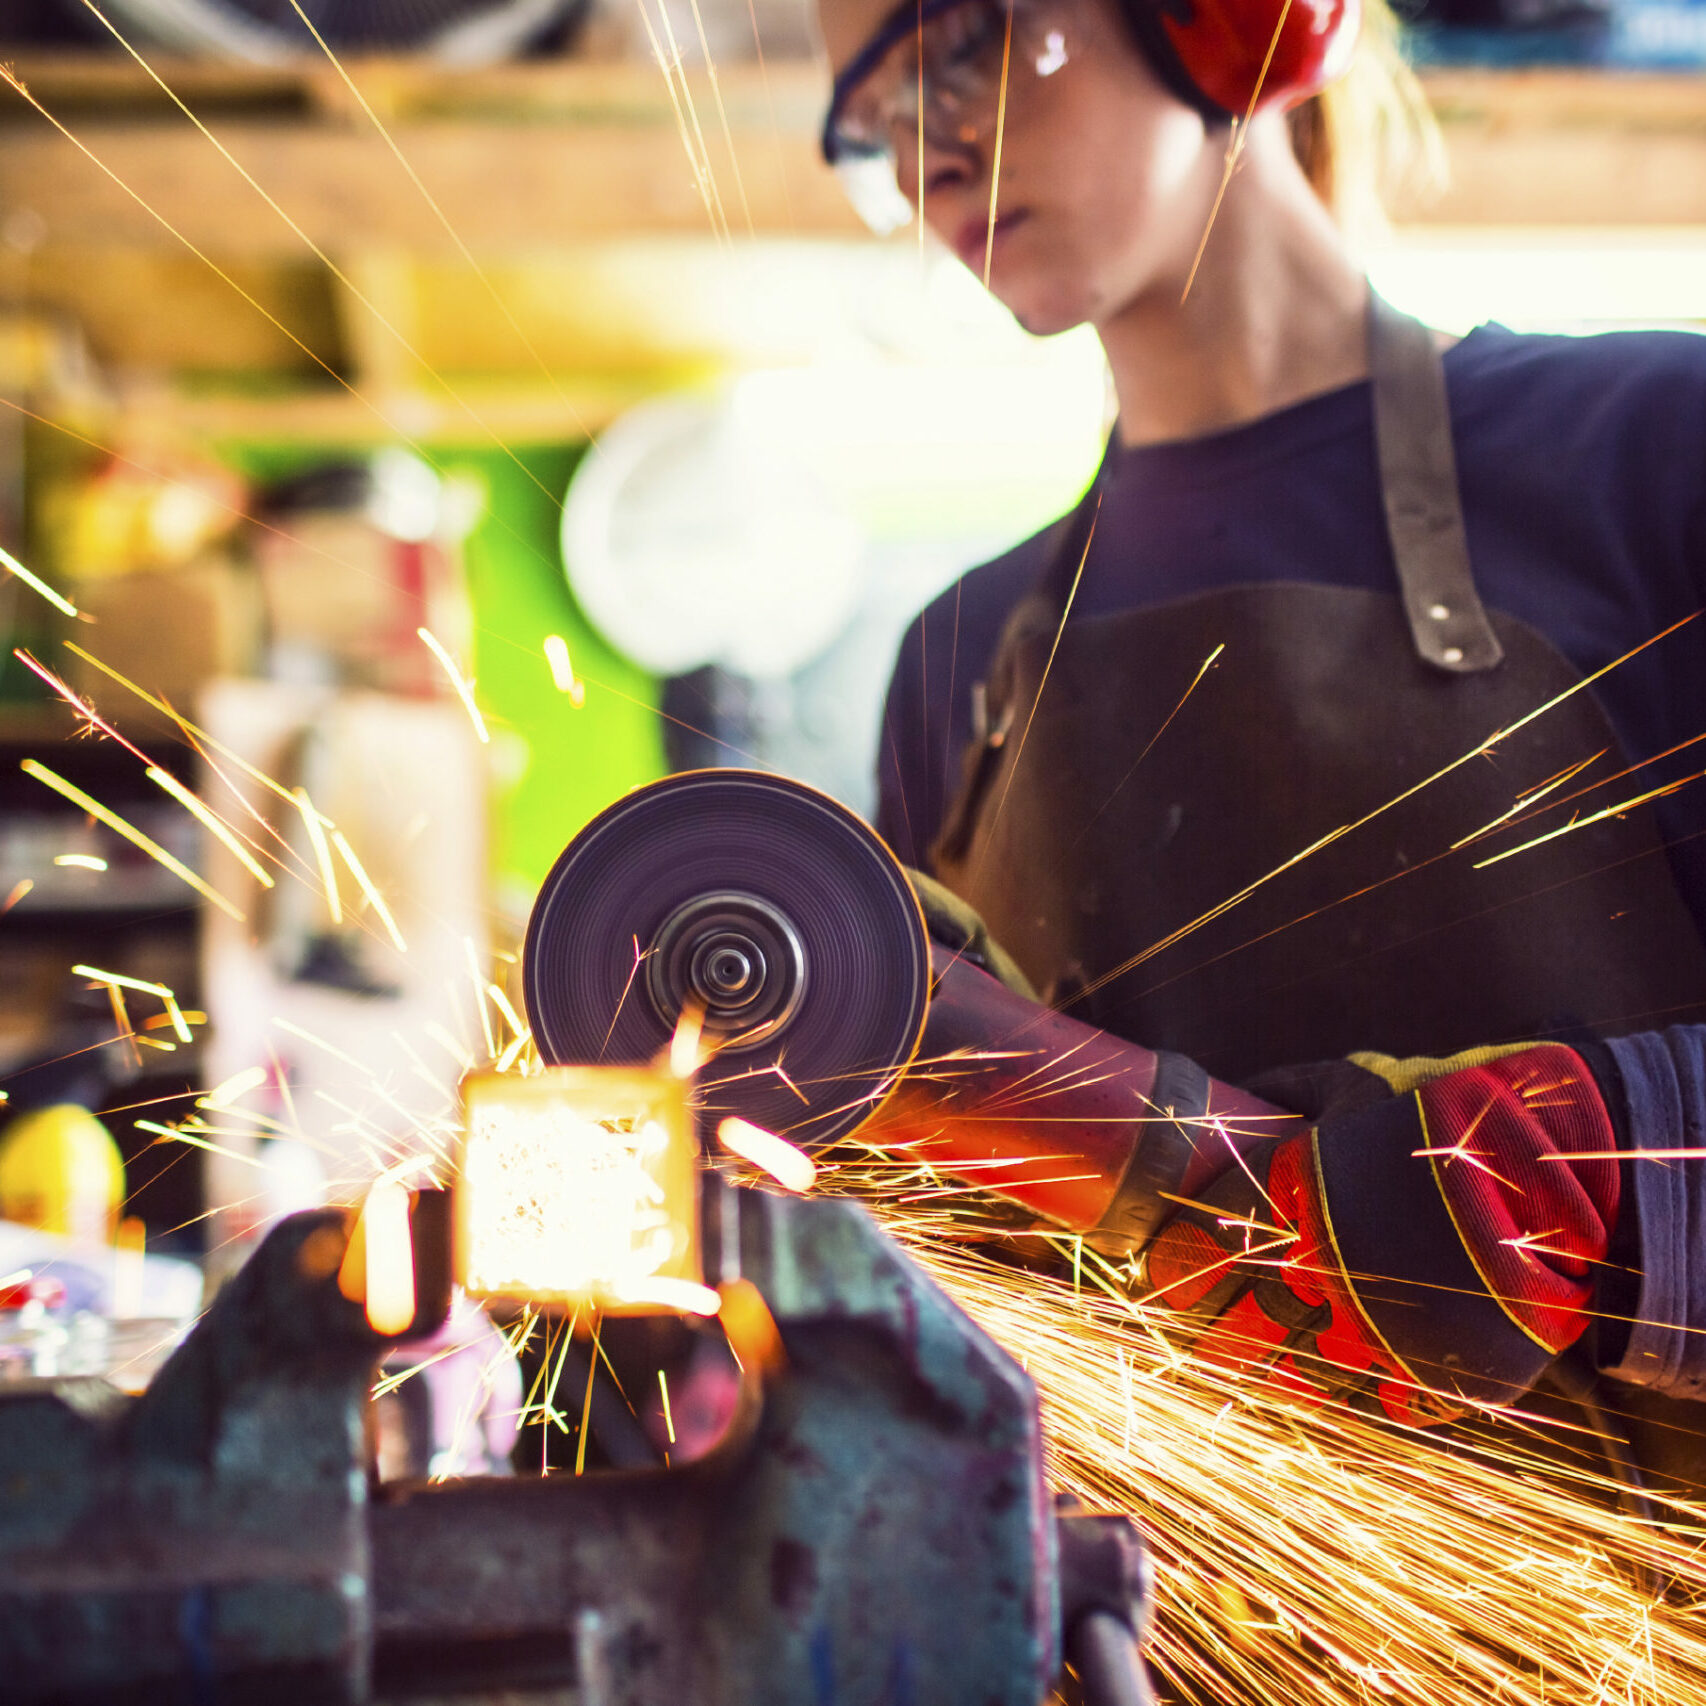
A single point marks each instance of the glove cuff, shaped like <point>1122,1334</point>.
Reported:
<point>1149,1187</point>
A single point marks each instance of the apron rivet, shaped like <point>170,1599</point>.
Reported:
<point>1452,654</point>
<point>1440,612</point>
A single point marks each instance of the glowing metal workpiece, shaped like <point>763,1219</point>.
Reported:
<point>579,1185</point>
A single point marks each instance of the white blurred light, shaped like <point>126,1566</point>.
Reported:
<point>1553,280</point>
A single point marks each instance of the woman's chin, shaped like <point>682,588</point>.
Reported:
<point>1041,313</point>
<point>1044,299</point>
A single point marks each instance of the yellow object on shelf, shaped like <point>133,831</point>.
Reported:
<point>61,1171</point>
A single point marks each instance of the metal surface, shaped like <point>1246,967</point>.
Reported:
<point>155,1549</point>
<point>874,1527</point>
<point>873,1530</point>
<point>763,902</point>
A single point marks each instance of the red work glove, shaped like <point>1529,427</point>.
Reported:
<point>1431,1253</point>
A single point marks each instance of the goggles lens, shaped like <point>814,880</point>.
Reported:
<point>940,63</point>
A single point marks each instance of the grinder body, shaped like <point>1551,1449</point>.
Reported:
<point>787,924</point>
<point>1057,1116</point>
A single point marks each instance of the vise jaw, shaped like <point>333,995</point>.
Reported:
<point>873,1530</point>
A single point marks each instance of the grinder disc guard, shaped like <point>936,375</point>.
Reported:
<point>764,902</point>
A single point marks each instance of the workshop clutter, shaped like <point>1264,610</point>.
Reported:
<point>354,559</point>
<point>185,573</point>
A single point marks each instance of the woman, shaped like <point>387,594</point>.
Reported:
<point>1296,740</point>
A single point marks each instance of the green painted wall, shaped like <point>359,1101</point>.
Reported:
<point>554,766</point>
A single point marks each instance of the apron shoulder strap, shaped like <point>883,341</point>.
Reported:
<point>1424,514</point>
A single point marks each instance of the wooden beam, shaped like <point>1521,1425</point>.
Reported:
<point>1569,148</point>
<point>588,151</point>
<point>500,190</point>
<point>524,158</point>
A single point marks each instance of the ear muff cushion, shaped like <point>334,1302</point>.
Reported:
<point>1211,53</point>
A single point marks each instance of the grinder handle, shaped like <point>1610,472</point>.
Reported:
<point>1055,1115</point>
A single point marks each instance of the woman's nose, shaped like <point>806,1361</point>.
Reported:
<point>940,164</point>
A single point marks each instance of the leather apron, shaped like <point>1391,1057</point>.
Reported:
<point>1299,857</point>
<point>1314,850</point>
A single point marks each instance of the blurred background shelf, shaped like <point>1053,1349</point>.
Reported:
<point>533,155</point>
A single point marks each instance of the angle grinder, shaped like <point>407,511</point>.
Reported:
<point>788,925</point>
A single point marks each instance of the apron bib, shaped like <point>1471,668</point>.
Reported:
<point>1304,861</point>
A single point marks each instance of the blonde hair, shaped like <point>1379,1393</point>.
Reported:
<point>1370,137</point>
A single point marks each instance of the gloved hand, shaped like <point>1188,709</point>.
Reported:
<point>1427,1252</point>
<point>960,928</point>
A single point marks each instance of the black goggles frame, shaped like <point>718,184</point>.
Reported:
<point>907,17</point>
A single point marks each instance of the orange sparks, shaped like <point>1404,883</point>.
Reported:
<point>390,1259</point>
<point>234,1088</point>
<point>316,827</point>
<point>684,1297</point>
<point>668,1416</point>
<point>210,821</point>
<point>115,982</point>
<point>685,1054</point>
<point>562,670</point>
<point>464,688</point>
<point>1000,133</point>
<point>786,1163</point>
<point>60,603</point>
<point>365,883</point>
<point>112,820</point>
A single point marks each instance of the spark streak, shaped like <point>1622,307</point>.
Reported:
<point>685,1053</point>
<point>1594,817</point>
<point>365,883</point>
<point>785,1162</point>
<point>1000,136</point>
<point>464,688</point>
<point>562,670</point>
<point>1066,612</point>
<point>118,980</point>
<point>1235,141</point>
<point>32,767</point>
<point>210,820</point>
<point>316,828</point>
<point>699,161</point>
<point>722,115</point>
<point>34,582</point>
<point>390,1300</point>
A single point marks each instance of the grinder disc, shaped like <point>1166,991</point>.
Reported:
<point>765,903</point>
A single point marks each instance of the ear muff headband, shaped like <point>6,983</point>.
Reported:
<point>1211,53</point>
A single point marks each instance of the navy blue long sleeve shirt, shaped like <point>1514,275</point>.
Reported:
<point>1582,470</point>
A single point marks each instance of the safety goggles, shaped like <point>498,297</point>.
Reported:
<point>938,66</point>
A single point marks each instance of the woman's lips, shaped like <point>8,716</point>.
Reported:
<point>973,241</point>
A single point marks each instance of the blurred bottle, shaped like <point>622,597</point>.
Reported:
<point>61,1171</point>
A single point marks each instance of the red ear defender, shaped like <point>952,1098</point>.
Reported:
<point>1213,52</point>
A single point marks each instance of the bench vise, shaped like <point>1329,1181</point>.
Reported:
<point>873,1530</point>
